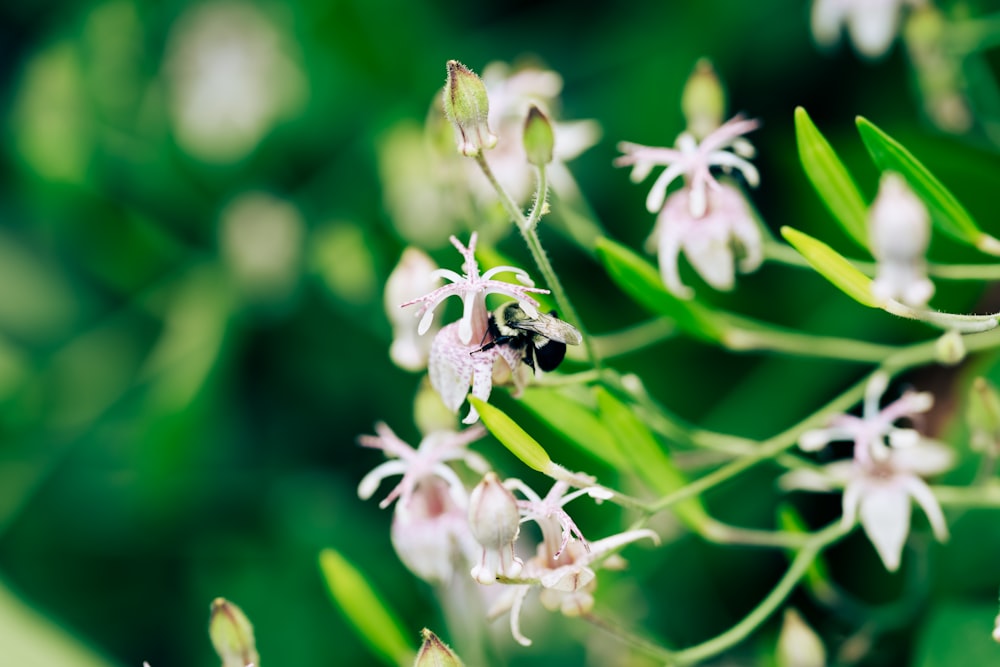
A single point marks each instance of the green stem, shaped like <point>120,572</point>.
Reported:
<point>634,338</point>
<point>982,497</point>
<point>783,254</point>
<point>722,533</point>
<point>528,231</point>
<point>792,342</point>
<point>753,620</point>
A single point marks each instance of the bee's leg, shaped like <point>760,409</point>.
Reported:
<point>493,343</point>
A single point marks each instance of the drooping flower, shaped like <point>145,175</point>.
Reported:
<point>495,523</point>
<point>899,230</point>
<point>693,160</point>
<point>413,276</point>
<point>871,24</point>
<point>725,238</point>
<point>564,564</point>
<point>416,465</point>
<point>885,472</point>
<point>472,289</point>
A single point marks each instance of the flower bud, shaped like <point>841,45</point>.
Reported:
<point>412,277</point>
<point>949,349</point>
<point>539,138</point>
<point>703,101</point>
<point>467,106</point>
<point>232,635</point>
<point>495,522</point>
<point>899,231</point>
<point>996,630</point>
<point>435,653</point>
<point>798,645</point>
<point>983,416</point>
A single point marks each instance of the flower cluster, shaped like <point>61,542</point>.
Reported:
<point>710,221</point>
<point>885,472</point>
<point>440,529</point>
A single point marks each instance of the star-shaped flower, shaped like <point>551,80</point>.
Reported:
<point>472,289</point>
<point>416,465</point>
<point>693,160</point>
<point>885,473</point>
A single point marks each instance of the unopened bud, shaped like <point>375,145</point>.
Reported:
<point>798,644</point>
<point>996,630</point>
<point>899,231</point>
<point>949,349</point>
<point>703,101</point>
<point>232,635</point>
<point>495,522</point>
<point>983,416</point>
<point>412,277</point>
<point>467,106</point>
<point>538,137</point>
<point>435,653</point>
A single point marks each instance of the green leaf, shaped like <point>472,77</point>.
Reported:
<point>640,280</point>
<point>946,212</point>
<point>365,609</point>
<point>832,266</point>
<point>646,457</point>
<point>831,179</point>
<point>512,436</point>
<point>818,575</point>
<point>569,416</point>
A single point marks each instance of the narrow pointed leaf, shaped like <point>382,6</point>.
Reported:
<point>641,281</point>
<point>575,420</point>
<point>946,211</point>
<point>831,179</point>
<point>646,457</point>
<point>512,436</point>
<point>365,609</point>
<point>832,266</point>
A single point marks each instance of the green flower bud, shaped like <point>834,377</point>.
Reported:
<point>467,106</point>
<point>538,137</point>
<point>435,653</point>
<point>232,635</point>
<point>950,348</point>
<point>983,416</point>
<point>703,101</point>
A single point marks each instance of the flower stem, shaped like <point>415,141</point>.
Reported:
<point>528,231</point>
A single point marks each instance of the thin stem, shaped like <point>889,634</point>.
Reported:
<point>628,637</point>
<point>783,254</point>
<point>528,231</point>
<point>986,496</point>
<point>799,567</point>
<point>793,342</point>
<point>634,338</point>
<point>723,533</point>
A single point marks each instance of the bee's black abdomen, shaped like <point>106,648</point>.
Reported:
<point>549,355</point>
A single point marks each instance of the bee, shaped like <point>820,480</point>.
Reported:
<point>542,338</point>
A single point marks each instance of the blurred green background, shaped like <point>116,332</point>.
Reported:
<point>193,242</point>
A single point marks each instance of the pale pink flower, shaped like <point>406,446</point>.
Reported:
<point>726,237</point>
<point>871,24</point>
<point>413,276</point>
<point>885,473</point>
<point>472,289</point>
<point>416,465</point>
<point>495,523</point>
<point>899,231</point>
<point>564,564</point>
<point>693,160</point>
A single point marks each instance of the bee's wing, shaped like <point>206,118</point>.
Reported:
<point>552,328</point>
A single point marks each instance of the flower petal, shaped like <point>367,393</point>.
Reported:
<point>885,516</point>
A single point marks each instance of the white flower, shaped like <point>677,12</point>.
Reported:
<point>564,562</point>
<point>899,231</point>
<point>473,288</point>
<point>693,160</point>
<point>871,24</point>
<point>416,465</point>
<point>495,523</point>
<point>412,277</point>
<point>725,237</point>
<point>885,473</point>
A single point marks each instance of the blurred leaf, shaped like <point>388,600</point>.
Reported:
<point>646,457</point>
<point>641,281</point>
<point>365,609</point>
<point>957,633</point>
<point>831,179</point>
<point>577,422</point>
<point>946,212</point>
<point>30,640</point>
<point>832,266</point>
<point>512,436</point>
<point>818,575</point>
